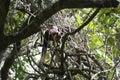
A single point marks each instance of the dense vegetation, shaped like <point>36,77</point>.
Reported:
<point>89,48</point>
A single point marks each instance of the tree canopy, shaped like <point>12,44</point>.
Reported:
<point>89,46</point>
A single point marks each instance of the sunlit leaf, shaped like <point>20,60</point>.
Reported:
<point>78,19</point>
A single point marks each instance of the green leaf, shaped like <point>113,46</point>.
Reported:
<point>111,41</point>
<point>109,61</point>
<point>111,73</point>
<point>107,30</point>
<point>92,45</point>
<point>78,19</point>
<point>96,41</point>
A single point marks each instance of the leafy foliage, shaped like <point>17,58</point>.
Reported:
<point>92,53</point>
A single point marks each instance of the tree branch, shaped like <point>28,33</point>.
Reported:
<point>88,3</point>
<point>33,27</point>
<point>4,7</point>
<point>72,33</point>
<point>8,63</point>
<point>62,4</point>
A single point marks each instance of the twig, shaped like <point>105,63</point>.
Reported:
<point>72,33</point>
<point>106,70</point>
